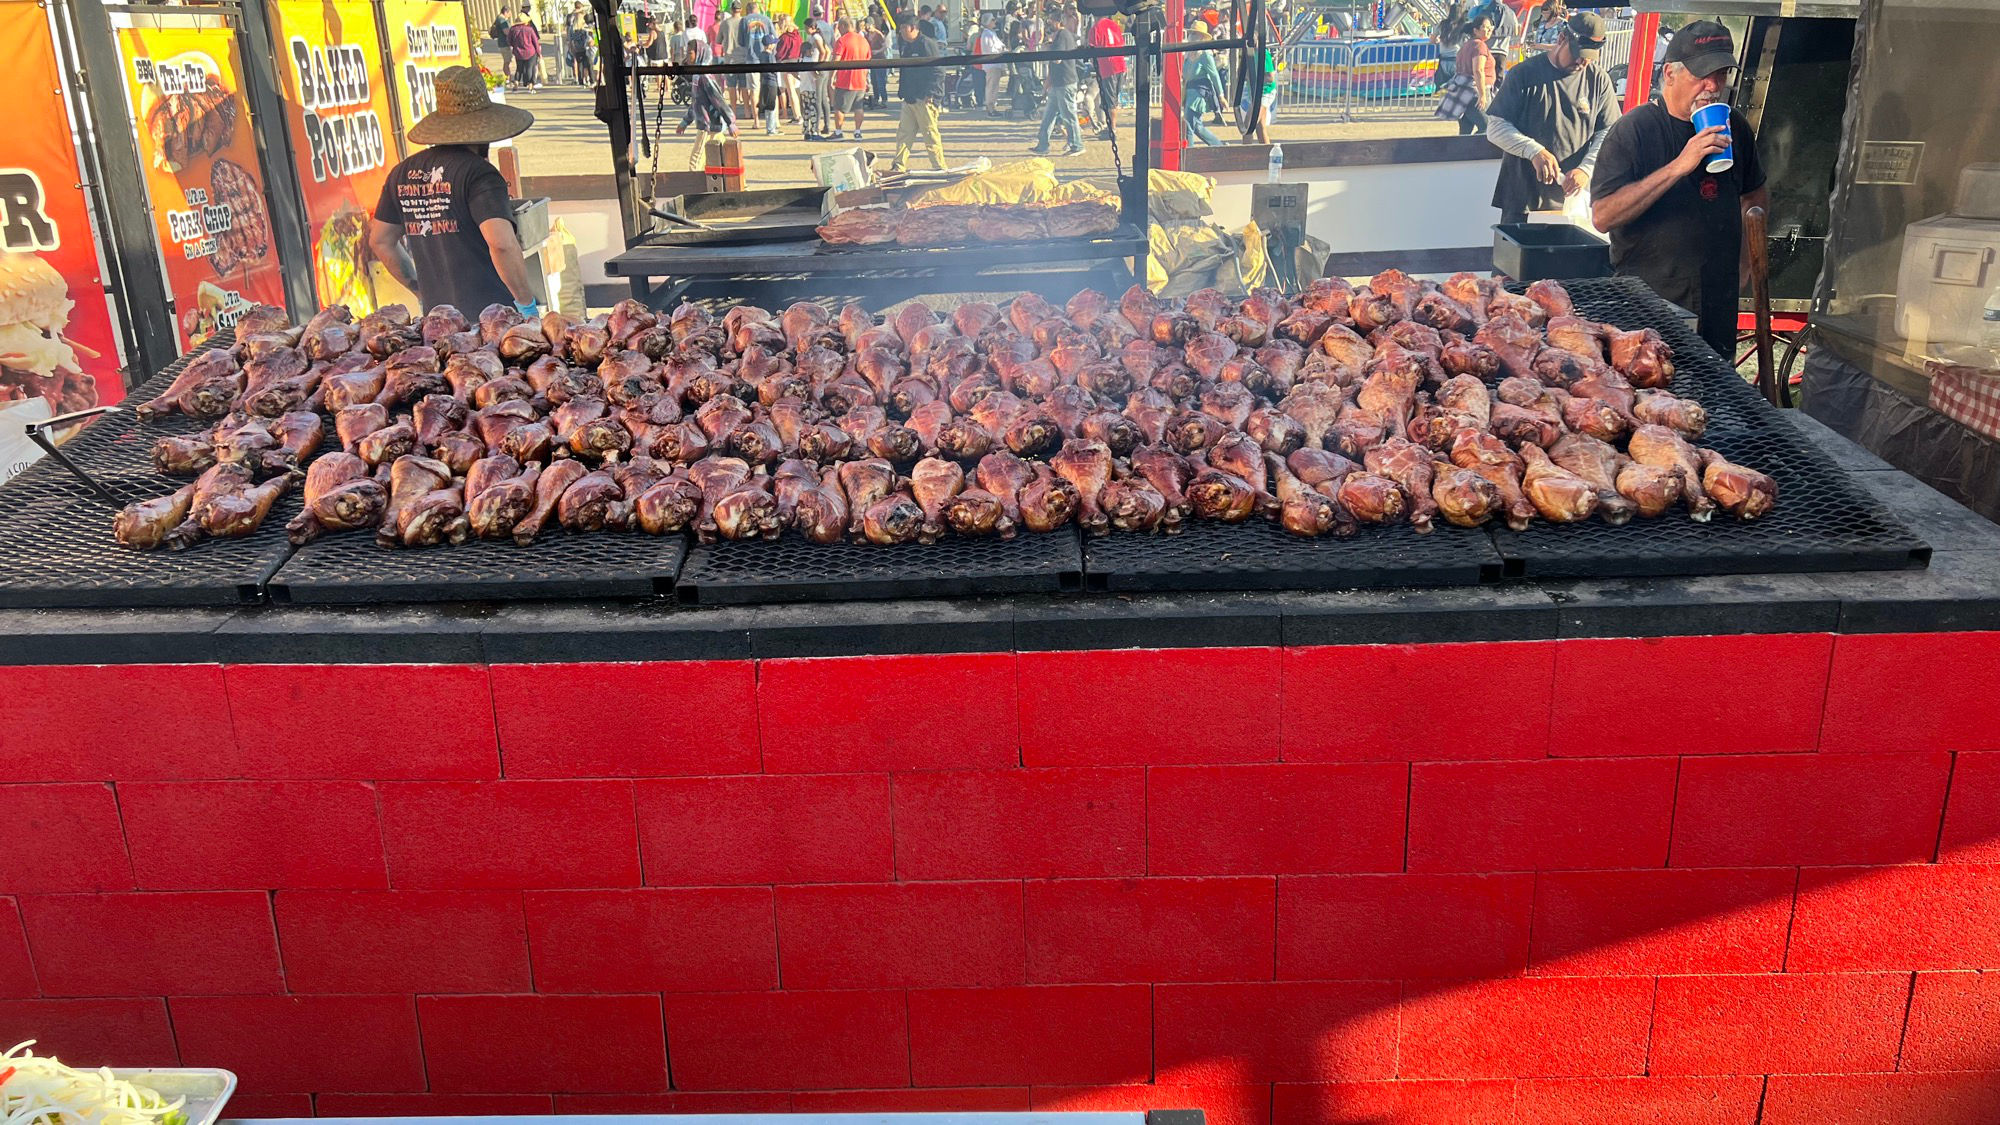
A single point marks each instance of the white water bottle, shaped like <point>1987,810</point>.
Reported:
<point>1989,323</point>
<point>1277,165</point>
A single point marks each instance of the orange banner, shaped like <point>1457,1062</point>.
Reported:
<point>425,36</point>
<point>337,106</point>
<point>185,85</point>
<point>58,350</point>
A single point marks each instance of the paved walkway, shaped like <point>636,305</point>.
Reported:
<point>568,140</point>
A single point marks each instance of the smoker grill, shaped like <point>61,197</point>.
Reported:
<point>791,569</point>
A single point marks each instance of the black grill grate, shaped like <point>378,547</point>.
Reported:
<point>1823,520</point>
<point>118,448</point>
<point>792,569</point>
<point>350,568</point>
<point>1263,556</point>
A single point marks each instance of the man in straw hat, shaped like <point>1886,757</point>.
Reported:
<point>444,228</point>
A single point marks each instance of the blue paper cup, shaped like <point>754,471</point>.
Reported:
<point>1709,116</point>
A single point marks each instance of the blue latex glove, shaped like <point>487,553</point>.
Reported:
<point>529,309</point>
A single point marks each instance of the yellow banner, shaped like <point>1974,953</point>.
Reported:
<point>425,36</point>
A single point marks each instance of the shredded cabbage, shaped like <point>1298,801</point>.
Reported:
<point>35,1090</point>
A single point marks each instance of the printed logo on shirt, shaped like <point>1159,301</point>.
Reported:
<point>426,197</point>
<point>1710,190</point>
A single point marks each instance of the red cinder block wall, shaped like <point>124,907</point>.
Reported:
<point>1698,881</point>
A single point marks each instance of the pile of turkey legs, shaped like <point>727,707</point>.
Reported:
<point>1398,401</point>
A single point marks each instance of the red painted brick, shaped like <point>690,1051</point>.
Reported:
<point>1137,707</point>
<point>1568,1027</point>
<point>1222,1105</point>
<point>355,1044</point>
<point>544,1044</point>
<point>1276,820</point>
<point>1401,927</point>
<point>867,714</point>
<point>62,838</point>
<point>710,830</point>
<point>1529,816</point>
<point>625,739</point>
<point>1228,1034</point>
<point>152,944</point>
<point>247,1106</point>
<point>1646,923</point>
<point>93,1033</point>
<point>1946,916</point>
<point>365,721</point>
<point>1883,1099</point>
<point>700,1101</point>
<point>403,941</point>
<point>981,1099</point>
<point>1594,716</point>
<point>1972,817</point>
<point>504,835</point>
<point>430,1105</point>
<point>1393,1103</point>
<point>17,972</point>
<point>1956,676</point>
<point>254,835</point>
<point>679,1101</point>
<point>1071,1035</point>
<point>1638,1101</point>
<point>1326,719</point>
<point>1020,824</point>
<point>1808,1023</point>
<point>789,1040</point>
<point>654,940</point>
<point>1120,930</point>
<point>1954,1022</point>
<point>75,723</point>
<point>901,935</point>
<point>1821,809</point>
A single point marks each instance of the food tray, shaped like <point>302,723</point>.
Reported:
<point>1259,555</point>
<point>349,568</point>
<point>1824,521</point>
<point>791,569</point>
<point>206,1090</point>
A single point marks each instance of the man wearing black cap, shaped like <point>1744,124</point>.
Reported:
<point>1550,115</point>
<point>1673,223</point>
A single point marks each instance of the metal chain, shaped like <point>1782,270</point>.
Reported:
<point>659,122</point>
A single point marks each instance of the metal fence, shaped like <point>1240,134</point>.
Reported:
<point>1384,79</point>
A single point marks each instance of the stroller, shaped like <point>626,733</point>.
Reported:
<point>967,88</point>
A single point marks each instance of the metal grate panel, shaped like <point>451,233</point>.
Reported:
<point>350,568</point>
<point>1259,555</point>
<point>792,569</point>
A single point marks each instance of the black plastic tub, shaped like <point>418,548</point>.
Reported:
<point>1533,251</point>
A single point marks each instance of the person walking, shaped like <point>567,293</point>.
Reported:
<point>1201,86</point>
<point>879,48</point>
<point>582,49</point>
<point>816,87</point>
<point>708,111</point>
<point>501,23</point>
<point>526,43</point>
<point>1471,87</point>
<point>988,42</point>
<point>1110,71</point>
<point>849,85</point>
<point>1028,76</point>
<point>760,43</point>
<point>1060,112</point>
<point>918,87</point>
<point>730,46</point>
<point>790,44</point>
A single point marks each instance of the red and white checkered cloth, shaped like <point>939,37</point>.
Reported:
<point>1967,395</point>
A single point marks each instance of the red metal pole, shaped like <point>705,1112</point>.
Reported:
<point>1171,141</point>
<point>1639,67</point>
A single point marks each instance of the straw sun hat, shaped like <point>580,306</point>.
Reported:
<point>465,115</point>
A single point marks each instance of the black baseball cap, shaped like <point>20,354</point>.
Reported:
<point>1704,47</point>
<point>1586,34</point>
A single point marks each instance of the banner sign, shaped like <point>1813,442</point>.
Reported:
<point>202,176</point>
<point>425,36</point>
<point>58,349</point>
<point>337,106</point>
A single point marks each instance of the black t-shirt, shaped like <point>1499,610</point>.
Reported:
<point>439,197</point>
<point>1688,244</point>
<point>1562,111</point>
<point>917,83</point>
<point>1062,72</point>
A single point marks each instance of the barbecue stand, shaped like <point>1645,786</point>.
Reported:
<point>667,263</point>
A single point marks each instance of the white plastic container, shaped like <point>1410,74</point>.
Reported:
<point>1978,192</point>
<point>1950,266</point>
